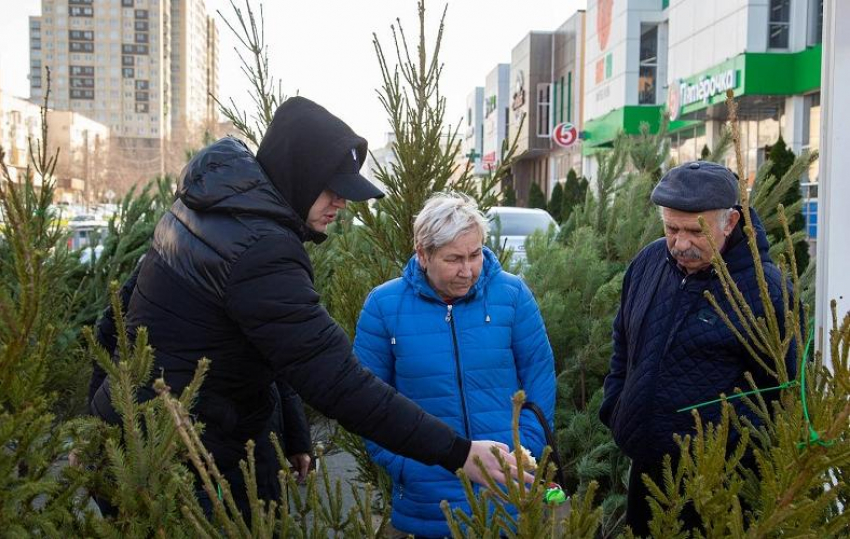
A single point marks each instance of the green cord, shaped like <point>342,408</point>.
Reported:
<point>814,437</point>
<point>788,384</point>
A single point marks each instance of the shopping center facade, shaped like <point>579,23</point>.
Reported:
<point>622,63</point>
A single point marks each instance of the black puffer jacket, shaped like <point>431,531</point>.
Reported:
<point>227,278</point>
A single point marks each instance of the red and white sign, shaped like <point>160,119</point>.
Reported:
<point>565,134</point>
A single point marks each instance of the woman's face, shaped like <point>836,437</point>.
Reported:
<point>454,268</point>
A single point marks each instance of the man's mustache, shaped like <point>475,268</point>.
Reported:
<point>691,253</point>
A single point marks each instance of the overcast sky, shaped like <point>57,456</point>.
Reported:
<point>322,49</point>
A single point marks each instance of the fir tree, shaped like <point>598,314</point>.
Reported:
<point>536,198</point>
<point>38,496</point>
<point>575,190</point>
<point>509,198</point>
<point>783,159</point>
<point>556,202</point>
<point>266,91</point>
<point>649,151</point>
<point>539,511</point>
<point>577,282</point>
<point>769,190</point>
<point>781,156</point>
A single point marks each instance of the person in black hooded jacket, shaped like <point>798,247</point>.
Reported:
<point>227,277</point>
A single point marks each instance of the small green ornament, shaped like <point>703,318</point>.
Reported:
<point>555,495</point>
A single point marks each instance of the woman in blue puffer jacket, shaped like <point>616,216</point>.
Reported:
<point>459,336</point>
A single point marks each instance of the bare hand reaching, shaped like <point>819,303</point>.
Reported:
<point>301,465</point>
<point>482,450</point>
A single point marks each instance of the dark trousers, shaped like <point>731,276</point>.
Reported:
<point>638,513</point>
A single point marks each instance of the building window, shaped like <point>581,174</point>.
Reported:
<point>142,26</point>
<point>778,25</point>
<point>128,61</point>
<point>80,35</point>
<point>78,46</point>
<point>648,65</point>
<point>126,3</point>
<point>815,22</point>
<point>142,108</point>
<point>82,82</point>
<point>77,11</point>
<point>134,49</point>
<point>81,94</point>
<point>141,14</point>
<point>142,85</point>
<point>544,91</point>
<point>82,71</point>
<point>127,72</point>
<point>560,98</point>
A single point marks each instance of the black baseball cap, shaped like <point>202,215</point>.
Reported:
<point>348,183</point>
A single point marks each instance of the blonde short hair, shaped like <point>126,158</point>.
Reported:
<point>444,217</point>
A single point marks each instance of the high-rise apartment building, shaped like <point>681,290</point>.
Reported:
<point>145,68</point>
<point>194,69</point>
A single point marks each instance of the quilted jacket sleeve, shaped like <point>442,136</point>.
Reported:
<point>270,295</point>
<point>372,346</point>
<point>616,378</point>
<point>535,367</point>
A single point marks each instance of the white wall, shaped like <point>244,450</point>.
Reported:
<point>497,84</point>
<point>833,256</point>
<point>472,133</point>
<point>704,33</point>
<point>621,88</point>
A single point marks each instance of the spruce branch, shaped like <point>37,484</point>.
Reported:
<point>266,91</point>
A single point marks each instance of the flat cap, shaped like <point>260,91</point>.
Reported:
<point>697,186</point>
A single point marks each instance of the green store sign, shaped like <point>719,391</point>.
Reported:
<point>746,74</point>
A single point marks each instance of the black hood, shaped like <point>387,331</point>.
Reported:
<point>225,177</point>
<point>302,150</point>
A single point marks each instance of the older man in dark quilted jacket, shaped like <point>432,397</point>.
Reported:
<point>671,350</point>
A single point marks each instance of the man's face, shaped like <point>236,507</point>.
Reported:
<point>454,268</point>
<point>323,211</point>
<point>685,240</point>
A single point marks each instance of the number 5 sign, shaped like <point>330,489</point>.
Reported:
<point>565,134</point>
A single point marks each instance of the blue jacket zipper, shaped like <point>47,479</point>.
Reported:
<point>451,321</point>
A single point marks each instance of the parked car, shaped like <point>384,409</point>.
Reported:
<point>85,234</point>
<point>513,225</point>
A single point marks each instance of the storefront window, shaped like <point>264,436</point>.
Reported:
<point>543,100</point>
<point>648,65</point>
<point>778,25</point>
